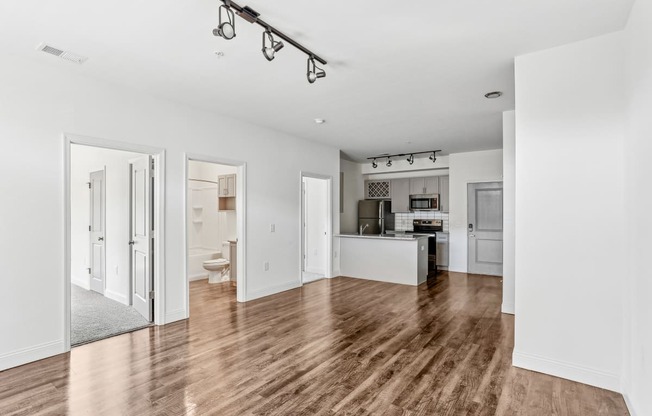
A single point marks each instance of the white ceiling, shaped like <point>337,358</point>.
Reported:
<point>402,76</point>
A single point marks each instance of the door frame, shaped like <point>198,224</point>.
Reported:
<point>466,223</point>
<point>241,223</point>
<point>158,154</point>
<point>329,223</point>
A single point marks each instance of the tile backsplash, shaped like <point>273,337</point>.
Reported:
<point>403,220</point>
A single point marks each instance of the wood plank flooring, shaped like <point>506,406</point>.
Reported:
<point>340,346</point>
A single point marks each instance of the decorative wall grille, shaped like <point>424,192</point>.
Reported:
<point>378,189</point>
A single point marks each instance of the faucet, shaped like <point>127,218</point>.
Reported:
<point>363,227</point>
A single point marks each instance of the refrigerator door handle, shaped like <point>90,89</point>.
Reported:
<point>380,209</point>
<point>381,226</point>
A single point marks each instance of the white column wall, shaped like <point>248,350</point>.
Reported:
<point>637,378</point>
<point>509,210</point>
<point>570,211</point>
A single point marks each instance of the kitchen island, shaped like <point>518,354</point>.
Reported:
<point>398,258</point>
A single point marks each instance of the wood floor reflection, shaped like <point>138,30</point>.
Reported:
<point>336,346</point>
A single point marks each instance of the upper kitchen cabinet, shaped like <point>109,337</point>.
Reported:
<point>428,185</point>
<point>400,195</point>
<point>226,185</point>
<point>444,190</point>
<point>377,189</point>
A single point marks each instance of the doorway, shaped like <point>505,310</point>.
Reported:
<point>215,238</point>
<point>316,235</point>
<point>113,210</point>
<point>485,228</point>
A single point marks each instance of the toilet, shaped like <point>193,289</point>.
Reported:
<point>219,269</point>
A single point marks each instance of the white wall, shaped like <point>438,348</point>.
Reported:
<point>85,159</point>
<point>570,211</point>
<point>316,199</point>
<point>509,208</point>
<point>353,192</point>
<point>40,102</point>
<point>638,177</point>
<point>465,168</point>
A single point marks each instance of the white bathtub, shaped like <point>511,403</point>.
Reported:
<point>196,257</point>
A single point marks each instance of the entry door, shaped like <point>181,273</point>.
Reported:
<point>485,228</point>
<point>141,236</point>
<point>97,267</point>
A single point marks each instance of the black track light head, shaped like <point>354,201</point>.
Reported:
<point>270,46</point>
<point>410,159</point>
<point>389,163</point>
<point>313,71</point>
<point>225,28</point>
<point>433,157</point>
<point>374,164</point>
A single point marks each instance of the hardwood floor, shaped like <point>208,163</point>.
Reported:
<point>339,346</point>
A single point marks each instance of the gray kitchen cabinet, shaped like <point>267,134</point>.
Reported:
<point>377,189</point>
<point>400,195</point>
<point>427,185</point>
<point>444,193</point>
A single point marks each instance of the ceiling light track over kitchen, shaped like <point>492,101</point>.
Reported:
<point>410,159</point>
<point>252,16</point>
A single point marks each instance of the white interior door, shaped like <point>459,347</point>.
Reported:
<point>485,228</point>
<point>97,266</point>
<point>141,236</point>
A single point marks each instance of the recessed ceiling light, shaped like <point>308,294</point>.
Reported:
<point>320,121</point>
<point>493,94</point>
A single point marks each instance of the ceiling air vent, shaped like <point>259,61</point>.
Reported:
<point>68,56</point>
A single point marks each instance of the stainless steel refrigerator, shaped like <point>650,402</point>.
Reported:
<point>376,216</point>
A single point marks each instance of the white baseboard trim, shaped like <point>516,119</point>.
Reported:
<point>200,276</point>
<point>567,370</point>
<point>83,283</point>
<point>630,405</point>
<point>178,315</point>
<point>30,354</point>
<point>316,271</point>
<point>118,297</point>
<point>507,308</point>
<point>272,290</point>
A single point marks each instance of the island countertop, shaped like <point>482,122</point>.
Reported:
<point>407,237</point>
<point>386,258</point>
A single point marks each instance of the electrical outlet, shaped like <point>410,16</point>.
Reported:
<point>272,228</point>
<point>266,266</point>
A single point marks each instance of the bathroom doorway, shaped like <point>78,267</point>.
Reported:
<point>113,209</point>
<point>316,235</point>
<point>214,223</point>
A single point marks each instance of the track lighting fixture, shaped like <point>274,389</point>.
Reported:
<point>410,157</point>
<point>269,49</point>
<point>225,29</point>
<point>314,71</point>
<point>273,39</point>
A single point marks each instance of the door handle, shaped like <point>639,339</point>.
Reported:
<point>100,238</point>
<point>131,243</point>
<point>470,228</point>
<point>471,235</point>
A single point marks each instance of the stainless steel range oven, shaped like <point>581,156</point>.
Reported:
<point>429,228</point>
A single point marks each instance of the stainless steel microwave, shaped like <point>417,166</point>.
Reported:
<point>424,202</point>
